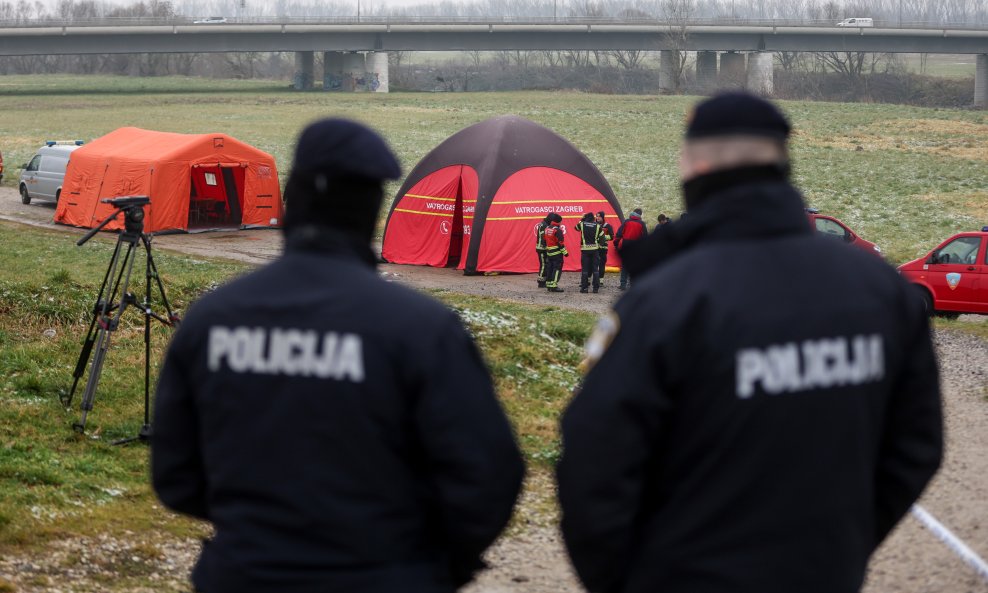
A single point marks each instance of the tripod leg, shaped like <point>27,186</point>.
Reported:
<point>151,271</point>
<point>172,318</point>
<point>106,326</point>
<point>99,308</point>
<point>89,393</point>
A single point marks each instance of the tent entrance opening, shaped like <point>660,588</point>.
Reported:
<point>216,196</point>
<point>456,232</point>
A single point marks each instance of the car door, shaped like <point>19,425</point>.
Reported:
<point>30,175</point>
<point>955,272</point>
<point>50,175</point>
<point>981,280</point>
<point>829,227</point>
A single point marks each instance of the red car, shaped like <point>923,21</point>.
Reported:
<point>831,227</point>
<point>1,166</point>
<point>953,278</point>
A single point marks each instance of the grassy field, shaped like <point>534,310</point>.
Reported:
<point>55,482</point>
<point>944,65</point>
<point>902,177</point>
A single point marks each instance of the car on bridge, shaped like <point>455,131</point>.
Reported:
<point>832,227</point>
<point>857,22</point>
<point>953,278</point>
<point>210,20</point>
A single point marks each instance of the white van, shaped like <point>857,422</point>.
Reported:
<point>857,22</point>
<point>42,177</point>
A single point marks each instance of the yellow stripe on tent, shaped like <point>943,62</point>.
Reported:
<point>437,198</point>
<point>550,202</point>
<point>449,214</point>
<point>577,216</point>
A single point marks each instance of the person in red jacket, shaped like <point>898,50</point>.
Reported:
<point>632,229</point>
<point>555,250</point>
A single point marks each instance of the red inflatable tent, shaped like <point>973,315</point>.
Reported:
<point>473,202</point>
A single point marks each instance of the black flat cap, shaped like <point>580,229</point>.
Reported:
<point>342,148</point>
<point>737,114</point>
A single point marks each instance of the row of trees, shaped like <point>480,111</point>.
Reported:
<point>820,76</point>
<point>890,12</point>
<point>247,65</point>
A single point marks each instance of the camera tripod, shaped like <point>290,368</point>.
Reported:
<point>114,298</point>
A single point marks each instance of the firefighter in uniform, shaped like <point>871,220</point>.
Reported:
<point>555,251</point>
<point>605,237</point>
<point>590,234</point>
<point>540,249</point>
<point>340,432</point>
<point>778,409</point>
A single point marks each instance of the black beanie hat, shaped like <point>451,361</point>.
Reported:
<point>336,177</point>
<point>553,217</point>
<point>737,114</point>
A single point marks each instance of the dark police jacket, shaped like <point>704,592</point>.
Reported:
<point>340,432</point>
<point>778,409</point>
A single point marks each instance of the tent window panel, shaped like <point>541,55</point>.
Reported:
<point>210,178</point>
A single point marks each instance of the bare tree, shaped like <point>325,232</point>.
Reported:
<point>677,14</point>
<point>630,59</point>
<point>396,60</point>
<point>243,64</point>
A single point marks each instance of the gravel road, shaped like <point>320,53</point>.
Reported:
<point>531,558</point>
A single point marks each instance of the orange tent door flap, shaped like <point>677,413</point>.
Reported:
<point>208,183</point>
<point>217,195</point>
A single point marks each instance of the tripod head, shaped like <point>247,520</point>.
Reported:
<point>133,209</point>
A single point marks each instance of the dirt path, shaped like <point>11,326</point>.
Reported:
<point>532,560</point>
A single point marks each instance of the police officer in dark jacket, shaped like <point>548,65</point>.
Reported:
<point>777,409</point>
<point>340,432</point>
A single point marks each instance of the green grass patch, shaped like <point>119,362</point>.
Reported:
<point>968,324</point>
<point>942,65</point>
<point>54,481</point>
<point>533,353</point>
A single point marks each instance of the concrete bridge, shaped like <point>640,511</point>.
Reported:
<point>355,46</point>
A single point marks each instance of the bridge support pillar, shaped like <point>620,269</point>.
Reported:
<point>353,72</point>
<point>732,70</point>
<point>304,60</point>
<point>706,70</point>
<point>332,71</point>
<point>981,82</point>
<point>760,80</point>
<point>668,73</point>
<point>377,71</point>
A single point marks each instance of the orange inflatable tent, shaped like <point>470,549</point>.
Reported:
<point>195,181</point>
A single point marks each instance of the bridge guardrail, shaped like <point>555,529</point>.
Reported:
<point>468,20</point>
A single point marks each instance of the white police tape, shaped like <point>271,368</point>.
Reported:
<point>953,542</point>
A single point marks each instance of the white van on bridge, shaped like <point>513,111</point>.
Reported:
<point>857,22</point>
